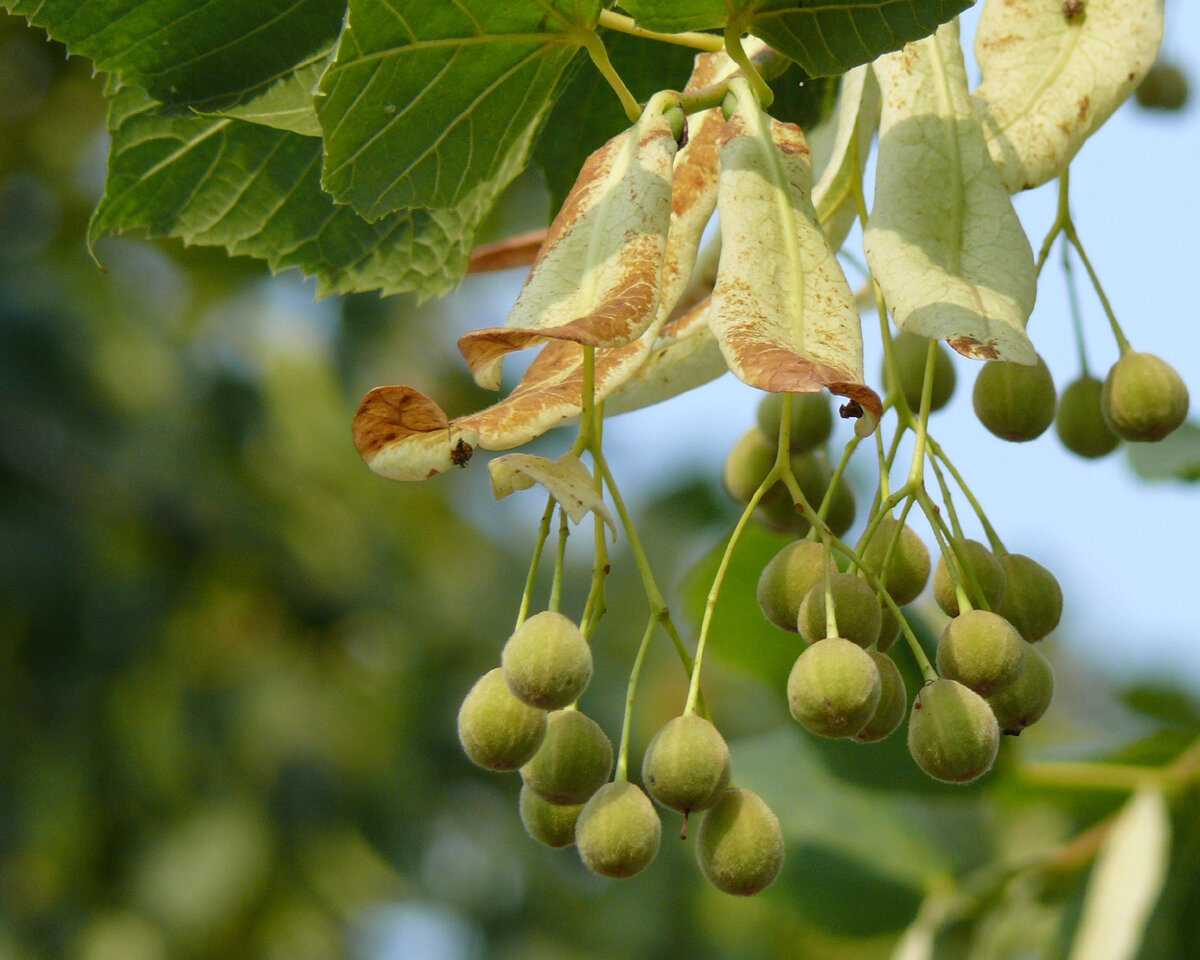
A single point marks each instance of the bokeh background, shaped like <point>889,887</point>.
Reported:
<point>230,657</point>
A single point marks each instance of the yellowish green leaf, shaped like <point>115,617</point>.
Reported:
<point>1050,79</point>
<point>782,310</point>
<point>943,240</point>
<point>567,479</point>
<point>1126,881</point>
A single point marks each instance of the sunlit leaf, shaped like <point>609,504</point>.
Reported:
<point>204,55</point>
<point>255,190</point>
<point>597,278</point>
<point>567,479</point>
<point>1126,881</point>
<point>425,101</point>
<point>942,239</point>
<point>1050,79</point>
<point>825,37</point>
<point>288,104</point>
<point>782,309</point>
<point>854,121</point>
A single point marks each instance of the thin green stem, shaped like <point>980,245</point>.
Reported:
<point>1122,342</point>
<point>596,50</point>
<point>737,53</point>
<point>831,626</point>
<point>531,578</point>
<point>955,561</point>
<point>697,41</point>
<point>555,603</point>
<point>622,772</point>
<point>947,499</point>
<point>992,535</point>
<point>1062,217</point>
<point>1076,313</point>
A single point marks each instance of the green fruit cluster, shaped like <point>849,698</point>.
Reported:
<point>1143,399</point>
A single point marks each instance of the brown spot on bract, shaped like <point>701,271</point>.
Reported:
<point>1083,106</point>
<point>975,349</point>
<point>389,415</point>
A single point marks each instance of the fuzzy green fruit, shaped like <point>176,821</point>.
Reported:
<point>855,607</point>
<point>496,730</point>
<point>747,464</point>
<point>980,650</point>
<point>573,761</point>
<point>550,823</point>
<point>984,568</point>
<point>889,629</point>
<point>907,568</point>
<point>1024,702</point>
<point>1080,421</point>
<point>1033,600</point>
<point>834,688</point>
<point>740,844</point>
<point>812,420</point>
<point>618,831</point>
<point>952,734</point>
<point>687,764</point>
<point>547,661</point>
<point>1144,398</point>
<point>1165,87</point>
<point>1015,401</point>
<point>786,578</point>
<point>893,701</point>
<point>908,351</point>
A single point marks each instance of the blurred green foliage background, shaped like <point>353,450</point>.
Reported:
<point>230,657</point>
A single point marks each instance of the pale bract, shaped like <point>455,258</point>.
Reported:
<point>943,240</point>
<point>1051,79</point>
<point>567,479</point>
<point>781,310</point>
<point>853,125</point>
<point>597,277</point>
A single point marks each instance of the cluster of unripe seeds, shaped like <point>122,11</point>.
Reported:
<point>844,684</point>
<point>522,716</point>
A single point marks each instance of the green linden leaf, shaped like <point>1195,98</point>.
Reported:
<point>289,104</point>
<point>255,190</point>
<point>425,101</point>
<point>205,55</point>
<point>826,37</point>
<point>1175,457</point>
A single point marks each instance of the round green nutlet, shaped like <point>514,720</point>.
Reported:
<point>1080,423</point>
<point>739,845</point>
<point>573,761</point>
<point>834,688</point>
<point>1015,401</point>
<point>747,465</point>
<point>1024,702</point>
<point>786,578</point>
<point>550,823</point>
<point>855,607</point>
<point>893,701</point>
<point>908,351</point>
<point>907,569</point>
<point>952,733</point>
<point>812,420</point>
<point>547,661</point>
<point>1144,398</point>
<point>1165,87</point>
<point>497,731</point>
<point>889,629</point>
<point>982,651</point>
<point>687,764</point>
<point>618,831</point>
<point>1033,600</point>
<point>985,570</point>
